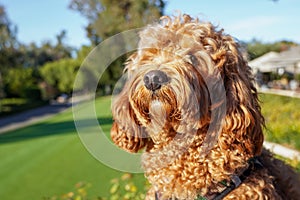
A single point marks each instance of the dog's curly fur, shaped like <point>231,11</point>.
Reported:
<point>204,124</point>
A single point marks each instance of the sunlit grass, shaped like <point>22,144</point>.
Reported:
<point>282,115</point>
<point>47,159</point>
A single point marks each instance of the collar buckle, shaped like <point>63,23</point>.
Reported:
<point>236,180</point>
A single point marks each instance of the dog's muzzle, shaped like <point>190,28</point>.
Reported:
<point>154,79</point>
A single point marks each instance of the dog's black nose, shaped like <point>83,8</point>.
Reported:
<point>155,79</point>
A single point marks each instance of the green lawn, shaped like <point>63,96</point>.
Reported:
<point>47,159</point>
<point>282,115</point>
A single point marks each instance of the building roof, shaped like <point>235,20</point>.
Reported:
<point>288,58</point>
<point>262,63</point>
<point>268,62</point>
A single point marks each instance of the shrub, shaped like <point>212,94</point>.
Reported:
<point>19,81</point>
<point>60,74</point>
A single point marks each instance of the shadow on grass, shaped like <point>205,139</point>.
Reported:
<point>47,129</point>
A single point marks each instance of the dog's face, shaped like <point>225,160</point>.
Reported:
<point>182,72</point>
<point>164,93</point>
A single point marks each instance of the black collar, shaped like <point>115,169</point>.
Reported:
<point>254,164</point>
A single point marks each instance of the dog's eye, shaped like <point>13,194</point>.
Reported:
<point>194,60</point>
<point>125,70</point>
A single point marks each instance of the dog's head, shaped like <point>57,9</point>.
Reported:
<point>186,77</point>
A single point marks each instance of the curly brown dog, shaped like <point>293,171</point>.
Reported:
<point>191,104</point>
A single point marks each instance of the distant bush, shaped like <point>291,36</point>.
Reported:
<point>17,105</point>
<point>60,74</point>
<point>33,93</point>
<point>19,82</point>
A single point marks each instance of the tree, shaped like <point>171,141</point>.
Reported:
<point>109,17</point>
<point>8,43</point>
<point>257,48</point>
<point>61,48</point>
<point>8,31</point>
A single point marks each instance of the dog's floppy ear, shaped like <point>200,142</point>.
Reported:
<point>243,120</point>
<point>126,131</point>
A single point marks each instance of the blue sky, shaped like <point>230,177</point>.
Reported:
<point>268,21</point>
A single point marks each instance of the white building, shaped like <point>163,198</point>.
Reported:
<point>286,62</point>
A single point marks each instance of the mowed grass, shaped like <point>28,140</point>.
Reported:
<point>282,115</point>
<point>47,159</point>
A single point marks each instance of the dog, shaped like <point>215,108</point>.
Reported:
<point>191,107</point>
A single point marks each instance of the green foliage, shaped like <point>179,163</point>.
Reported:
<point>123,15</point>
<point>36,56</point>
<point>61,74</point>
<point>2,93</point>
<point>15,54</point>
<point>7,105</point>
<point>257,48</point>
<point>109,17</point>
<point>19,61</point>
<point>19,81</point>
<point>8,41</point>
<point>83,53</point>
<point>7,31</point>
<point>297,77</point>
<point>16,105</point>
<point>93,67</point>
